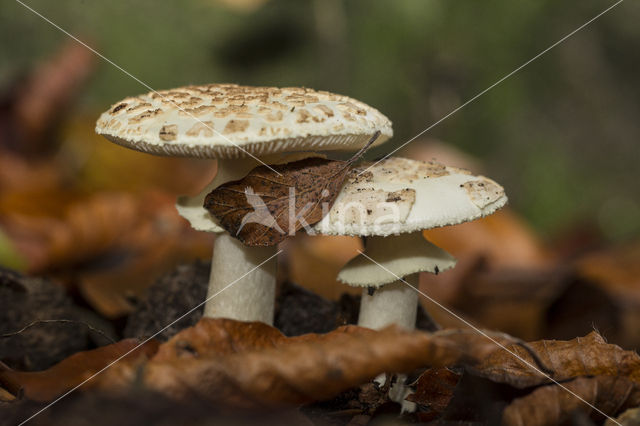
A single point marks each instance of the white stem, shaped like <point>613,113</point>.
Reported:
<point>395,303</point>
<point>250,298</point>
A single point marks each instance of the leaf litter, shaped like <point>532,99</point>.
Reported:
<point>254,365</point>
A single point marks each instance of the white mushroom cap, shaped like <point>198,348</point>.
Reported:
<point>227,121</point>
<point>400,255</point>
<point>399,195</point>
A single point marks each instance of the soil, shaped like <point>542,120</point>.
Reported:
<point>24,301</point>
<point>298,310</point>
<point>168,299</point>
<point>140,407</point>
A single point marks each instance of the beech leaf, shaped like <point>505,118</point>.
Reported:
<point>582,356</point>
<point>250,364</point>
<point>553,405</point>
<point>48,384</point>
<point>434,390</point>
<point>270,203</point>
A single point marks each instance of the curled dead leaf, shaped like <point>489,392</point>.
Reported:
<point>272,202</point>
<point>219,337</point>
<point>433,391</point>
<point>582,356</point>
<point>249,364</point>
<point>631,417</point>
<point>252,364</point>
<point>48,384</point>
<point>263,208</point>
<point>553,405</point>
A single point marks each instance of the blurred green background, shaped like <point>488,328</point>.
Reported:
<point>561,135</point>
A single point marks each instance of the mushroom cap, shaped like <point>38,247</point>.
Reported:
<point>399,195</point>
<point>231,121</point>
<point>397,256</point>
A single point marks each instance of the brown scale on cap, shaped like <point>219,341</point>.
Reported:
<point>169,133</point>
<point>377,203</point>
<point>483,192</point>
<point>214,120</point>
<point>401,171</point>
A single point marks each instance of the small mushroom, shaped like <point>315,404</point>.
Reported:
<point>390,203</point>
<point>241,127</point>
<point>404,256</point>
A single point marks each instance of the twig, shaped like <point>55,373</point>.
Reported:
<point>64,321</point>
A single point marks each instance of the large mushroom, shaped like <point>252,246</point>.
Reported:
<point>390,203</point>
<point>242,127</point>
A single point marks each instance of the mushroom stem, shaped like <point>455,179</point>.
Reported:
<point>250,298</point>
<point>395,303</point>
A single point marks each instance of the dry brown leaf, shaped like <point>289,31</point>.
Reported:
<point>630,417</point>
<point>254,364</point>
<point>582,356</point>
<point>434,390</point>
<point>553,405</point>
<point>514,301</point>
<point>616,269</point>
<point>112,245</point>
<point>278,370</point>
<point>219,337</point>
<point>157,241</point>
<point>503,238</point>
<point>257,209</point>
<point>48,384</point>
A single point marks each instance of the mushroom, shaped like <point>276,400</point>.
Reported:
<point>242,127</point>
<point>390,203</point>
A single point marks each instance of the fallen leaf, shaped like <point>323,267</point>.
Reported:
<point>513,300</point>
<point>631,417</point>
<point>48,384</point>
<point>582,356</point>
<point>616,271</point>
<point>433,391</point>
<point>111,245</point>
<point>553,405</point>
<point>220,337</point>
<point>221,363</point>
<point>272,202</point>
<point>252,364</point>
